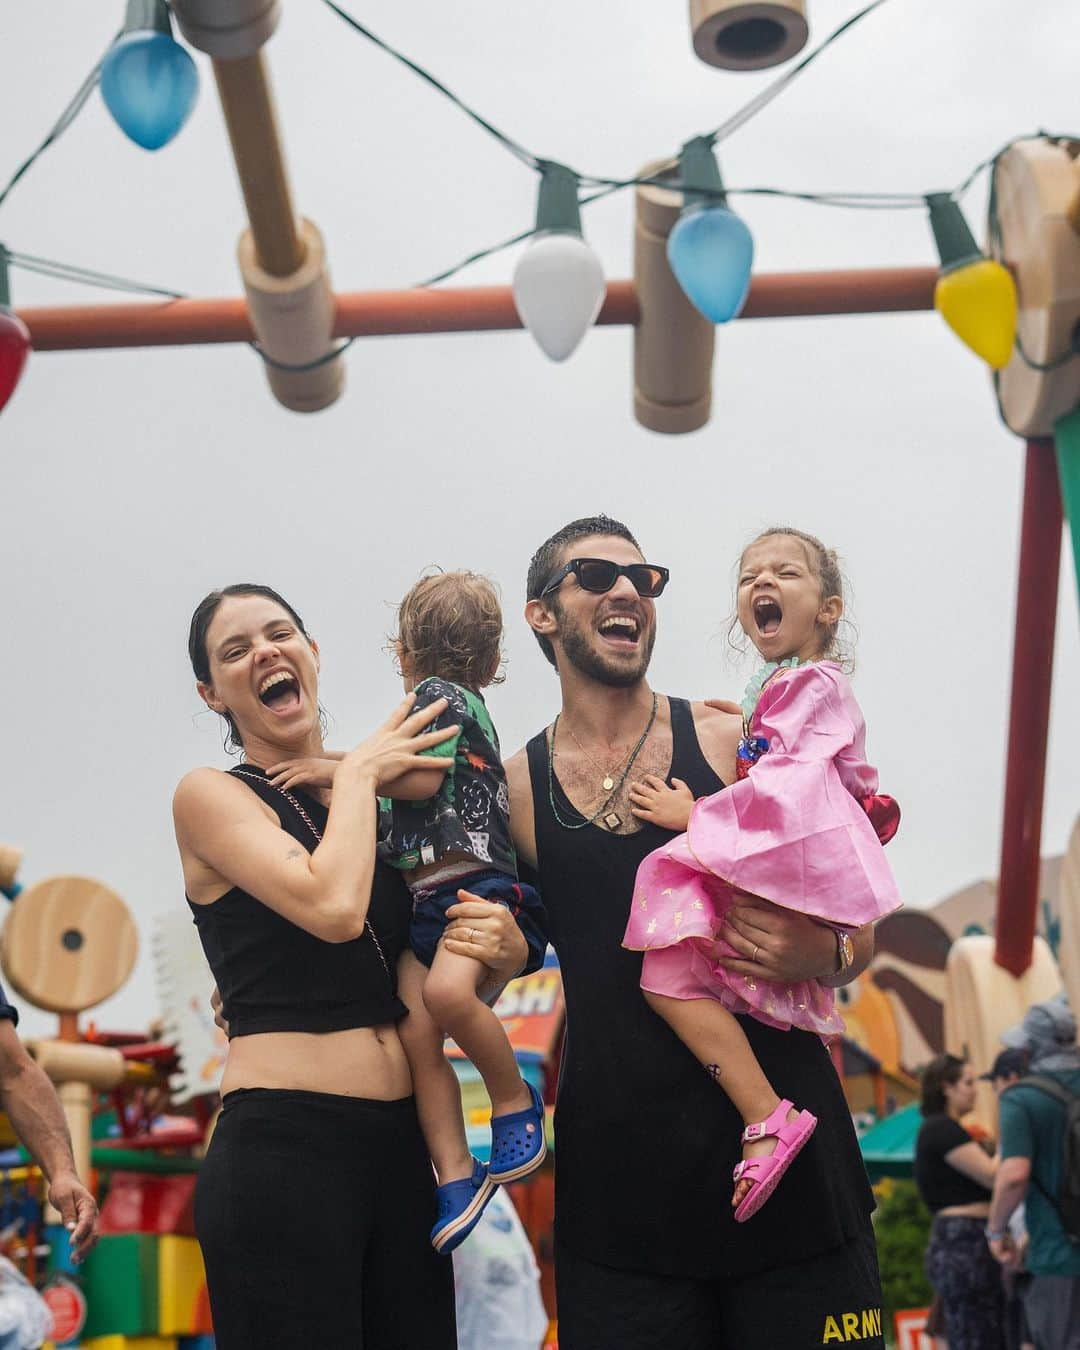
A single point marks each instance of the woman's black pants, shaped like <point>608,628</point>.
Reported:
<point>313,1212</point>
<point>968,1281</point>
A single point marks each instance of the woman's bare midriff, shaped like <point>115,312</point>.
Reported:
<point>977,1209</point>
<point>361,1062</point>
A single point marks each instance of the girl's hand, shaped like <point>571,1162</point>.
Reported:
<point>654,801</point>
<point>310,771</point>
<point>395,748</point>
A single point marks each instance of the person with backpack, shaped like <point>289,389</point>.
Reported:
<point>1040,1164</point>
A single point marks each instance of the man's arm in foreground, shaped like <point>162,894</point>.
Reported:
<point>1010,1187</point>
<point>37,1118</point>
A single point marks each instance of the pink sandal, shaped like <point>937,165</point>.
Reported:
<point>765,1172</point>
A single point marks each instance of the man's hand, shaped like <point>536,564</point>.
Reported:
<point>777,944</point>
<point>78,1210</point>
<point>654,801</point>
<point>1003,1250</point>
<point>487,932</point>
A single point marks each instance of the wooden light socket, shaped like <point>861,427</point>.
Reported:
<point>673,341</point>
<point>737,35</point>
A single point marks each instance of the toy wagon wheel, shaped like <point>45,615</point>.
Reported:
<point>68,943</point>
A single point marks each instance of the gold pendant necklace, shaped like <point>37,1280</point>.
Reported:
<point>607,782</point>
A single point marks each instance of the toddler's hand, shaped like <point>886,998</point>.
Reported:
<point>310,771</point>
<point>654,801</point>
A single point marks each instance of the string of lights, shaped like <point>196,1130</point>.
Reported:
<point>710,249</point>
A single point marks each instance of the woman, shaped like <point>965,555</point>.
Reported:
<point>955,1175</point>
<point>316,1196</point>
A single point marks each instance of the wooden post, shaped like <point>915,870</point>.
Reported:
<point>1029,713</point>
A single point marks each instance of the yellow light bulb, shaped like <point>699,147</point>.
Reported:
<point>978,302</point>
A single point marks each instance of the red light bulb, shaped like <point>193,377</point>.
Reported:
<point>14,349</point>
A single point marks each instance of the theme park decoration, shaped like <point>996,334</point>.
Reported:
<point>710,250</point>
<point>148,81</point>
<point>558,281</point>
<point>742,35</point>
<point>975,295</point>
<point>10,859</point>
<point>14,337</point>
<point>68,944</point>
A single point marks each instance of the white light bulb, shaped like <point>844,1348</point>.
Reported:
<point>558,290</point>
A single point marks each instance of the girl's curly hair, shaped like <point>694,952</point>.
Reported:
<point>450,625</point>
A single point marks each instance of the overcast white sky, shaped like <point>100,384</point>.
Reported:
<point>133,482</point>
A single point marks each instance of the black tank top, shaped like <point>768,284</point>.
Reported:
<point>644,1142</point>
<point>274,976</point>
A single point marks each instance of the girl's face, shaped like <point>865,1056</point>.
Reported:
<point>780,605</point>
<point>263,670</point>
<point>960,1096</point>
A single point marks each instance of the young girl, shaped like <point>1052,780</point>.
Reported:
<point>796,830</point>
<point>452,842</point>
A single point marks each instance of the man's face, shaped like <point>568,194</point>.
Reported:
<point>607,637</point>
<point>1002,1081</point>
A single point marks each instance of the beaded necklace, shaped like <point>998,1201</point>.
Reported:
<point>612,820</point>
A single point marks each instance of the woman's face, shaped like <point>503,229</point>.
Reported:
<point>960,1096</point>
<point>263,670</point>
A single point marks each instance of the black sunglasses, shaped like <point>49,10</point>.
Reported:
<point>599,575</point>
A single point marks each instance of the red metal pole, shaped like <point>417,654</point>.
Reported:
<point>1029,713</point>
<point>473,309</point>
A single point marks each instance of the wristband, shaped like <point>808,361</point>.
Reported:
<point>995,1234</point>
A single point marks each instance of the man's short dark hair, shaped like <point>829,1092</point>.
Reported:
<point>549,556</point>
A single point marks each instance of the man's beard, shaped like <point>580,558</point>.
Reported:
<point>584,657</point>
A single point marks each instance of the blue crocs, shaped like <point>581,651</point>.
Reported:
<point>460,1204</point>
<point>517,1141</point>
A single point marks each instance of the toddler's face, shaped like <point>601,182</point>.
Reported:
<point>780,605</point>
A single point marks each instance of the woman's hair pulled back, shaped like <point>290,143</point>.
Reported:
<point>944,1071</point>
<point>201,620</point>
<point>825,564</point>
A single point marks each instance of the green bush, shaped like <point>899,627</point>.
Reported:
<point>902,1228</point>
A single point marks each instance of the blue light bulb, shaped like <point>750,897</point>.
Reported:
<point>711,251</point>
<point>149,84</point>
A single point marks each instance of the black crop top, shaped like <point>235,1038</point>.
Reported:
<point>274,976</point>
<point>940,1184</point>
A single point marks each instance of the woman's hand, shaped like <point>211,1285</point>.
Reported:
<point>654,801</point>
<point>775,943</point>
<point>310,771</point>
<point>395,748</point>
<point>487,932</point>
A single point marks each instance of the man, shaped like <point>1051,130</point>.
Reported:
<point>30,1101</point>
<point>1008,1068</point>
<point>1032,1148</point>
<point>647,1254</point>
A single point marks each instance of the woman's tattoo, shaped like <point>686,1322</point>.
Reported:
<point>714,1072</point>
<point>294,853</point>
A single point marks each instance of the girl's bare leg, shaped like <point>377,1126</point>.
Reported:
<point>451,999</point>
<point>715,1038</point>
<point>438,1096</point>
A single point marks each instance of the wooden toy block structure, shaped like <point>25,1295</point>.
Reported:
<point>68,944</point>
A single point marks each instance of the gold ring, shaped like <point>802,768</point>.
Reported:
<point>757,948</point>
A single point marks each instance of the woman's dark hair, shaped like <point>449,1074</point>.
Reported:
<point>200,625</point>
<point>944,1071</point>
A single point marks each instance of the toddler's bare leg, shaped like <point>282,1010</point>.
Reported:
<point>438,1096</point>
<point>715,1038</point>
<point>451,999</point>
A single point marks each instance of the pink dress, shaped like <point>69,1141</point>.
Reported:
<point>793,832</point>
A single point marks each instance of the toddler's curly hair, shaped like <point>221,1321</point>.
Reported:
<point>450,625</point>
